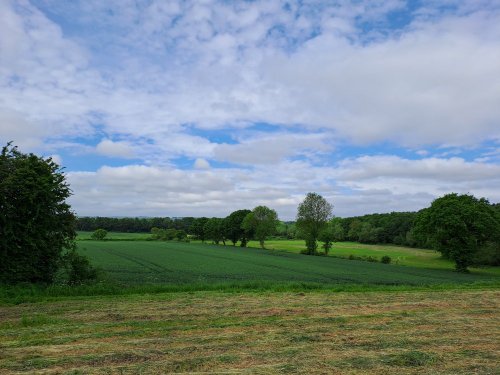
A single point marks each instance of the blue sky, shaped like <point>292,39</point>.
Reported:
<point>175,108</point>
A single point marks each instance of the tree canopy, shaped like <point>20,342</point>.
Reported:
<point>312,217</point>
<point>261,222</point>
<point>36,223</point>
<point>458,226</point>
<point>234,231</point>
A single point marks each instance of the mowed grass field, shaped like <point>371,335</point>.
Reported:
<point>420,332</point>
<point>158,262</point>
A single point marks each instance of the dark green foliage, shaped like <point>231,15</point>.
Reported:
<point>75,269</point>
<point>180,235</point>
<point>234,231</point>
<point>134,224</point>
<point>458,226</point>
<point>198,228</point>
<point>215,230</point>
<point>383,228</point>
<point>489,254</point>
<point>337,229</point>
<point>365,258</point>
<point>260,223</point>
<point>385,259</point>
<point>367,233</point>
<point>327,236</point>
<point>99,234</point>
<point>167,234</point>
<point>312,217</point>
<point>286,230</point>
<point>36,223</point>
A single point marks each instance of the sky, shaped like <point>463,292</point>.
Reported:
<point>200,108</point>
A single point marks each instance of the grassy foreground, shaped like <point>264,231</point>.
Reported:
<point>445,332</point>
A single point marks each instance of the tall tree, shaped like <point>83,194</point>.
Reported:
<point>262,222</point>
<point>234,231</point>
<point>458,226</point>
<point>312,216</point>
<point>36,223</point>
<point>215,230</point>
<point>198,228</point>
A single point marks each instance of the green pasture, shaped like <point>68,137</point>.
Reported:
<point>158,262</point>
<point>115,236</point>
<point>400,255</point>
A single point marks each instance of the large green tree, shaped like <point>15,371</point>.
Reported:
<point>36,223</point>
<point>215,230</point>
<point>260,223</point>
<point>198,228</point>
<point>312,217</point>
<point>458,226</point>
<point>234,231</point>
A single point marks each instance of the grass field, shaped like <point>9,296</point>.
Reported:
<point>400,255</point>
<point>139,262</point>
<point>115,236</point>
<point>424,332</point>
<point>406,256</point>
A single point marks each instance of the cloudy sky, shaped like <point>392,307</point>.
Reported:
<point>199,108</point>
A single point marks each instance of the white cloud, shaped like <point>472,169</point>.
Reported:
<point>110,148</point>
<point>437,81</point>
<point>431,176</point>
<point>201,164</point>
<point>355,187</point>
<point>271,148</point>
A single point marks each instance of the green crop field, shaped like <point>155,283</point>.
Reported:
<point>406,256</point>
<point>138,262</point>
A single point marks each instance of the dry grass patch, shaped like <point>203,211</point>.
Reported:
<point>446,332</point>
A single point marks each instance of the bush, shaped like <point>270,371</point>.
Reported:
<point>488,255</point>
<point>75,269</point>
<point>99,234</point>
<point>386,259</point>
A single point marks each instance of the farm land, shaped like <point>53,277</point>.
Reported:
<point>176,307</point>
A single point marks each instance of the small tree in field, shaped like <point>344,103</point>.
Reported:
<point>99,234</point>
<point>262,222</point>
<point>327,236</point>
<point>458,226</point>
<point>312,217</point>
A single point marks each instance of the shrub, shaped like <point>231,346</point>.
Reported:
<point>75,269</point>
<point>99,234</point>
<point>386,259</point>
<point>488,255</point>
